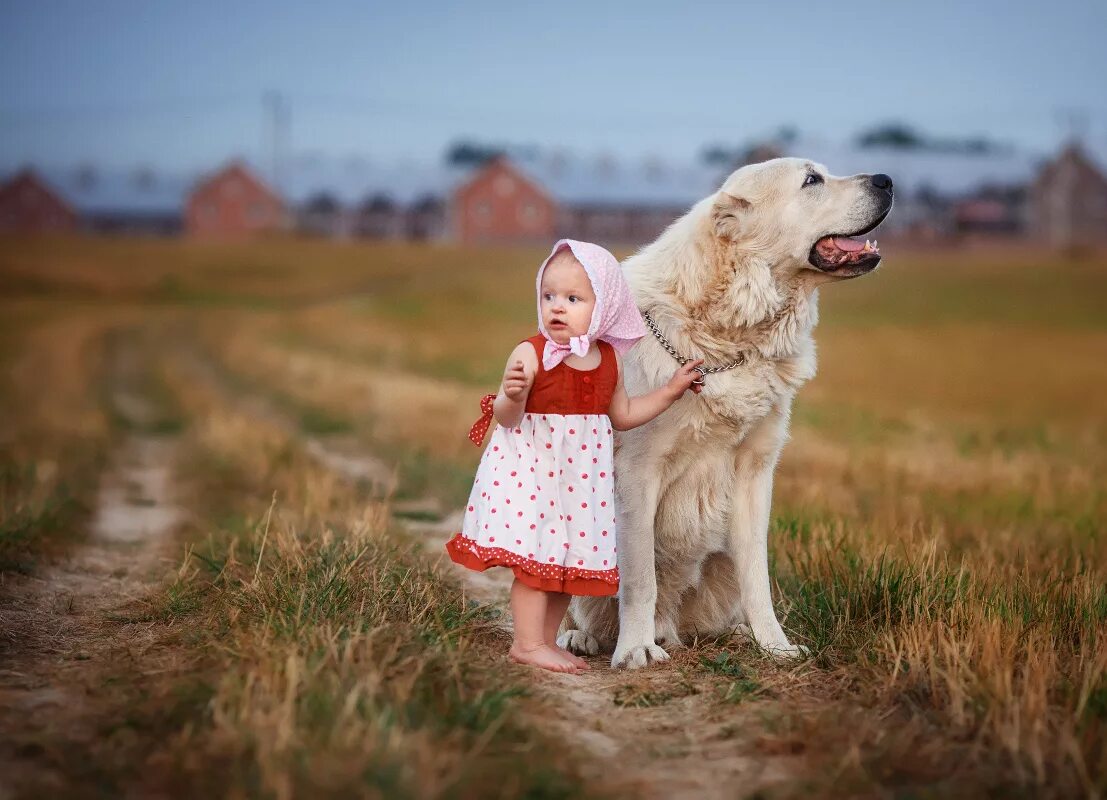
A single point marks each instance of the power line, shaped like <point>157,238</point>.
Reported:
<point>453,112</point>
<point>279,118</point>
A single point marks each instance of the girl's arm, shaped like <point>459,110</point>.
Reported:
<point>630,412</point>
<point>511,401</point>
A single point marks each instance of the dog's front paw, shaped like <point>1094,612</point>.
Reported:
<point>579,643</point>
<point>637,656</point>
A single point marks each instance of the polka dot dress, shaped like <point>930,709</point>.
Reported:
<point>543,500</point>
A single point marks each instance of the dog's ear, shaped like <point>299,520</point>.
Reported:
<point>728,215</point>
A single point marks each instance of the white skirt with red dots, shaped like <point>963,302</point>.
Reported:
<point>543,504</point>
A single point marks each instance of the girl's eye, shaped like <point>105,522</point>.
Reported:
<point>573,298</point>
<point>812,178</point>
<point>547,296</point>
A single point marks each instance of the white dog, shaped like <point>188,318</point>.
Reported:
<point>735,282</point>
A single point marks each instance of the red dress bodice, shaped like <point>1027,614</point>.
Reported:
<point>564,390</point>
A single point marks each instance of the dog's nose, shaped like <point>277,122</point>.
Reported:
<point>882,181</point>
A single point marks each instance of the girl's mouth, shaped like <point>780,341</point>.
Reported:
<point>556,323</point>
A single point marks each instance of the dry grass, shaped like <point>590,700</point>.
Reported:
<point>345,665</point>
<point>937,513</point>
<point>937,536</point>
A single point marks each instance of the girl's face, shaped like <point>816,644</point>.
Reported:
<point>567,298</point>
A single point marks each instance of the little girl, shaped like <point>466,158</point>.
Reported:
<point>543,501</point>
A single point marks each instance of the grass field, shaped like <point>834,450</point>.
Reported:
<point>937,537</point>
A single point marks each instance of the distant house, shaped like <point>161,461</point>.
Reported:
<point>426,219</point>
<point>1068,201</point>
<point>28,204</point>
<point>133,202</point>
<point>233,202</point>
<point>982,215</point>
<point>532,196</point>
<point>500,203</point>
<point>536,198</point>
<point>393,200</point>
<point>378,217</point>
<point>322,215</point>
<point>100,201</point>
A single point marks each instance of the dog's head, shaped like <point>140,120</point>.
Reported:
<point>798,216</point>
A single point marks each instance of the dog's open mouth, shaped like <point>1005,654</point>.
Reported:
<point>846,255</point>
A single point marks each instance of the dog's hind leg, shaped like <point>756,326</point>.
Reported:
<point>675,578</point>
<point>591,626</point>
<point>713,608</point>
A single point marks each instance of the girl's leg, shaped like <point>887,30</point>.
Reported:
<point>556,604</point>
<point>528,608</point>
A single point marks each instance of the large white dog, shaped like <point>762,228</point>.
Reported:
<point>734,280</point>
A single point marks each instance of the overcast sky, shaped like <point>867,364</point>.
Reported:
<point>180,85</point>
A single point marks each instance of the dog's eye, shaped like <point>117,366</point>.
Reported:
<point>812,178</point>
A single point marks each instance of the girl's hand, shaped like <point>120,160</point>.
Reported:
<point>516,382</point>
<point>683,377</point>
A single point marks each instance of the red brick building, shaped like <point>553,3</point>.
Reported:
<point>233,203</point>
<point>500,203</point>
<point>29,205</point>
<point>544,197</point>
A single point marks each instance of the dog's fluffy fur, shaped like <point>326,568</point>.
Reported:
<point>734,275</point>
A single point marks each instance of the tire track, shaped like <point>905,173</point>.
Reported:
<point>62,649</point>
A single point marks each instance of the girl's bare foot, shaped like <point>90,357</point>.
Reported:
<point>542,656</point>
<point>580,662</point>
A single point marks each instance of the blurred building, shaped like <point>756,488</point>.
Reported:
<point>534,196</point>
<point>500,203</point>
<point>1068,201</point>
<point>137,202</point>
<point>992,212</point>
<point>378,217</point>
<point>28,204</point>
<point>233,202</point>
<point>358,197</point>
<point>544,196</point>
<point>322,215</point>
<point>426,219</point>
<point>941,195</point>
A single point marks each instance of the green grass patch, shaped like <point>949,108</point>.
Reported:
<point>741,683</point>
<point>320,422</point>
<point>841,600</point>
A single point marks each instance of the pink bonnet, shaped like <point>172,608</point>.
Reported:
<point>615,318</point>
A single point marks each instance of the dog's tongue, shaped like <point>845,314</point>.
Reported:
<point>848,244</point>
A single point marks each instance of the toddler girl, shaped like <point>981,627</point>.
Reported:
<point>543,501</point>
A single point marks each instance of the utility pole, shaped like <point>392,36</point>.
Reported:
<point>278,118</point>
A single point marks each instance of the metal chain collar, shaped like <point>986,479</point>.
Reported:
<point>703,371</point>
